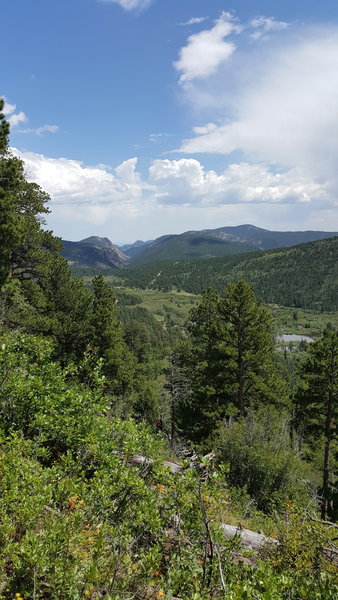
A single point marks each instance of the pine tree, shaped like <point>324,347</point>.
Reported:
<point>228,359</point>
<point>107,337</point>
<point>66,310</point>
<point>23,242</point>
<point>317,405</point>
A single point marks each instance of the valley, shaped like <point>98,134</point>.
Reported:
<point>157,418</point>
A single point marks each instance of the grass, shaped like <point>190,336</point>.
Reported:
<point>301,321</point>
<point>176,306</point>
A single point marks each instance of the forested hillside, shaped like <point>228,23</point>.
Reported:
<point>136,467</point>
<point>192,244</point>
<point>302,276</point>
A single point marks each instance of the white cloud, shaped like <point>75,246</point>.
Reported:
<point>12,117</point>
<point>183,181</point>
<point>156,137</point>
<point>265,25</point>
<point>186,181</point>
<point>171,181</point>
<point>207,50</point>
<point>16,118</point>
<point>203,129</point>
<point>70,180</point>
<point>194,21</point>
<point>41,130</point>
<point>9,108</point>
<point>175,195</point>
<point>283,107</point>
<point>131,4</point>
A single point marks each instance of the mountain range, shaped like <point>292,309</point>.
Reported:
<point>304,275</point>
<point>100,253</point>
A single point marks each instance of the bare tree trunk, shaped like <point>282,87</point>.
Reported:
<point>326,461</point>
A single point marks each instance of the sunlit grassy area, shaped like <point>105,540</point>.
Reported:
<point>176,306</point>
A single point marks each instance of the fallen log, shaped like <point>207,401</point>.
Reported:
<point>249,539</point>
<point>138,459</point>
<point>173,466</point>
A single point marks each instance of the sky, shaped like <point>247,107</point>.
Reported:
<point>148,117</point>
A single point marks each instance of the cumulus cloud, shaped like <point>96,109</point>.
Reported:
<point>131,4</point>
<point>207,50</point>
<point>17,118</point>
<point>174,196</point>
<point>71,181</point>
<point>187,181</point>
<point>183,181</point>
<point>283,108</point>
<point>9,108</point>
<point>13,117</point>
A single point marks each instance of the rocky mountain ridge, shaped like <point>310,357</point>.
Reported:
<point>101,253</point>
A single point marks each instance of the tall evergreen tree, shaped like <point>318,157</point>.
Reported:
<point>228,359</point>
<point>65,311</point>
<point>317,407</point>
<point>107,337</point>
<point>23,242</point>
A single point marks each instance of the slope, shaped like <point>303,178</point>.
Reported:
<point>188,245</point>
<point>305,275</point>
<point>93,252</point>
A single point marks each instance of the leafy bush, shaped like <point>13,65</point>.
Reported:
<point>262,461</point>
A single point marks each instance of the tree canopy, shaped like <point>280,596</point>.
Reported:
<point>228,360</point>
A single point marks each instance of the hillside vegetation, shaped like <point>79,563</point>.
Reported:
<point>94,253</point>
<point>143,460</point>
<point>301,276</point>
<point>189,245</point>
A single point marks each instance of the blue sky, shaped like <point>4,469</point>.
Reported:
<point>146,117</point>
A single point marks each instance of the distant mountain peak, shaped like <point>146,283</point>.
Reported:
<point>100,242</point>
<point>93,252</point>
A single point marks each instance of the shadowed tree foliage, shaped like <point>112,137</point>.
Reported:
<point>23,242</point>
<point>228,359</point>
<point>317,406</point>
<point>107,337</point>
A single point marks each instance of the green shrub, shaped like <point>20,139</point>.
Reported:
<point>262,461</point>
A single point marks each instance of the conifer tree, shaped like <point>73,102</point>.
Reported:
<point>317,406</point>
<point>108,339</point>
<point>228,359</point>
<point>23,242</point>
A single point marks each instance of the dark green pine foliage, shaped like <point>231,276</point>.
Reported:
<point>228,360</point>
<point>317,409</point>
<point>107,337</point>
<point>65,311</point>
<point>23,243</point>
<point>302,276</point>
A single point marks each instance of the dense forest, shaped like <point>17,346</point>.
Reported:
<point>140,464</point>
<point>301,276</point>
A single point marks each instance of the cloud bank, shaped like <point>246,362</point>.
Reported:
<point>287,114</point>
<point>174,195</point>
<point>275,105</point>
